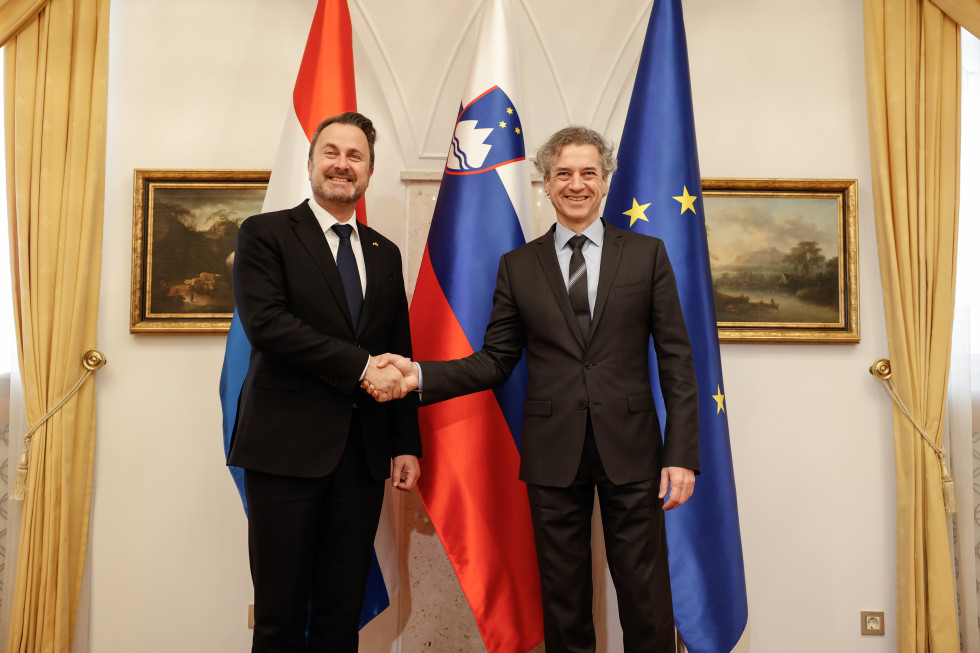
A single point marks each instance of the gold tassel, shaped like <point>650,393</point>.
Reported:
<point>949,493</point>
<point>949,496</point>
<point>19,493</point>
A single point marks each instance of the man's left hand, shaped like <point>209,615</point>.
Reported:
<point>681,481</point>
<point>404,472</point>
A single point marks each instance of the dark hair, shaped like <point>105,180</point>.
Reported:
<point>574,135</point>
<point>358,120</point>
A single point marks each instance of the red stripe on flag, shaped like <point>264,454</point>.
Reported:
<point>325,82</point>
<point>471,490</point>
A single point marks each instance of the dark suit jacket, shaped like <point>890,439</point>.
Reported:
<point>299,395</point>
<point>637,298</point>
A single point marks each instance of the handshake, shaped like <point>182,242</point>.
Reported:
<point>390,376</point>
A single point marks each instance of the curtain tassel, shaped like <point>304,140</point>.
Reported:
<point>20,478</point>
<point>949,493</point>
<point>92,360</point>
<point>882,370</point>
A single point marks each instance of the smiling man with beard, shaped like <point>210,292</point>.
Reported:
<point>319,295</point>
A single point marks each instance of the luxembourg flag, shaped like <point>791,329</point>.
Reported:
<point>469,483</point>
<point>324,87</point>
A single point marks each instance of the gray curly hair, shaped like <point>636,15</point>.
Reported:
<point>574,135</point>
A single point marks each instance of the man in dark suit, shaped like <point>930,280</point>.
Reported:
<point>582,302</point>
<point>317,294</point>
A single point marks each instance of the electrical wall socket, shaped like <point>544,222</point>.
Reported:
<point>872,623</point>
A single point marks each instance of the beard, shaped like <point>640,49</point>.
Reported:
<point>339,196</point>
<point>324,193</point>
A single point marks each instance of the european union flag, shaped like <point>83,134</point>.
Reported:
<point>657,191</point>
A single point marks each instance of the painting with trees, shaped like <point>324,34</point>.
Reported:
<point>783,258</point>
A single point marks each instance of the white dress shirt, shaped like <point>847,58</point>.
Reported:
<point>327,221</point>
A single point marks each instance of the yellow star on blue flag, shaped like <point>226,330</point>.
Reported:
<point>637,212</point>
<point>687,201</point>
<point>720,400</point>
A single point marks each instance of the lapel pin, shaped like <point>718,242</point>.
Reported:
<point>375,244</point>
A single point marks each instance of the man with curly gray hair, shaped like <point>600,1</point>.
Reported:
<point>582,301</point>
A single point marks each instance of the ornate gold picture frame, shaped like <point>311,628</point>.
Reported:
<point>185,224</point>
<point>784,259</point>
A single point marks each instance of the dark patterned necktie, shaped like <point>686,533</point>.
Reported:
<point>347,265</point>
<point>578,285</point>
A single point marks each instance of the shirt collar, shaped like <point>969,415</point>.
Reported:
<point>594,232</point>
<point>327,220</point>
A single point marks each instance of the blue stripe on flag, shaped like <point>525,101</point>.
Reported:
<point>474,223</point>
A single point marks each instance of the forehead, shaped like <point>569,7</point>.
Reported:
<point>577,157</point>
<point>344,136</point>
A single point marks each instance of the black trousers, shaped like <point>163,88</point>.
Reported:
<point>636,550</point>
<point>310,542</point>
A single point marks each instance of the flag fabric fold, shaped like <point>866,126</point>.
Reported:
<point>657,191</point>
<point>470,484</point>
<point>324,87</point>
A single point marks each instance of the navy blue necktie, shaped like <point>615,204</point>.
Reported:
<point>347,265</point>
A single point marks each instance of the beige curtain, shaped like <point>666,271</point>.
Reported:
<point>55,96</point>
<point>964,12</point>
<point>912,61</point>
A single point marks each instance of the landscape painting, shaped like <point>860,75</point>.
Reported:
<point>783,258</point>
<point>185,228</point>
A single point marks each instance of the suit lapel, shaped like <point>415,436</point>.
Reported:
<point>313,239</point>
<point>612,252</point>
<point>548,258</point>
<point>373,269</point>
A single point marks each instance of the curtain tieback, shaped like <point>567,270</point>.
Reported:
<point>882,370</point>
<point>92,360</point>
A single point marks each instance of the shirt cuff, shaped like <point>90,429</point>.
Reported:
<point>418,368</point>
<point>364,371</point>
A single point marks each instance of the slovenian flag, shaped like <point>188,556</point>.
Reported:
<point>470,484</point>
<point>324,87</point>
<point>657,191</point>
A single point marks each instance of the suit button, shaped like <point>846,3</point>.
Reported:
<point>588,365</point>
<point>582,405</point>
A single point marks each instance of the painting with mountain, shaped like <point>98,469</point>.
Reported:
<point>782,257</point>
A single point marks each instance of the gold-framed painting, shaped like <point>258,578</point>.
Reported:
<point>185,225</point>
<point>783,258</point>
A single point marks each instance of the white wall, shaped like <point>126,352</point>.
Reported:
<point>778,92</point>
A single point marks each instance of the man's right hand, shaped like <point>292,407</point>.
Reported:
<point>397,377</point>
